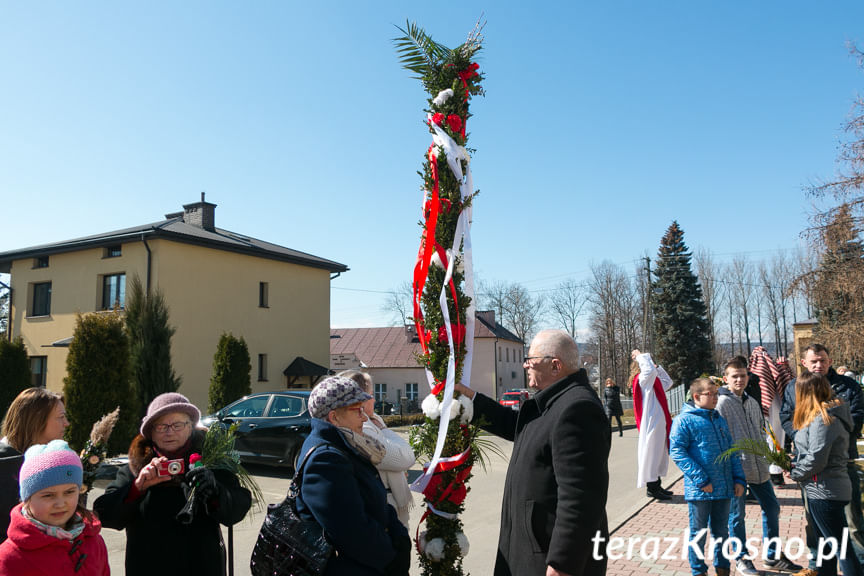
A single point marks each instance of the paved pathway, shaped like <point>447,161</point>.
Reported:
<point>669,519</point>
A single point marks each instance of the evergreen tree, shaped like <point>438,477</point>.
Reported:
<point>681,332</point>
<point>838,288</point>
<point>98,380</point>
<point>231,372</point>
<point>149,343</point>
<point>14,372</point>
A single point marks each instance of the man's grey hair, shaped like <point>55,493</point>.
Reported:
<point>559,344</point>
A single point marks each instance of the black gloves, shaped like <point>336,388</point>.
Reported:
<point>204,483</point>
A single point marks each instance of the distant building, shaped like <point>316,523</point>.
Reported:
<point>214,281</point>
<point>389,355</point>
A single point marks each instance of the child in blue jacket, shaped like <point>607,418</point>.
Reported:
<point>699,435</point>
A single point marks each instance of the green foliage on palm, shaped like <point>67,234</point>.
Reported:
<point>418,52</point>
<point>231,372</point>
<point>14,372</point>
<point>218,453</point>
<point>98,380</point>
<point>759,448</point>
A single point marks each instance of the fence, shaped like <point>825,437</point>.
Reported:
<point>674,398</point>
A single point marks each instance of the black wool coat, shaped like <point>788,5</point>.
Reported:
<point>612,396</point>
<point>555,493</point>
<point>10,465</point>
<point>156,543</point>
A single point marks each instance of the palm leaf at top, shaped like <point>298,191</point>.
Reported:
<point>417,52</point>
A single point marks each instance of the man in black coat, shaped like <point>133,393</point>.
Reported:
<point>555,494</point>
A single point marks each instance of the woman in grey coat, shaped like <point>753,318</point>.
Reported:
<point>822,427</point>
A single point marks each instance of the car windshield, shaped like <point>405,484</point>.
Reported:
<point>512,396</point>
<point>249,408</point>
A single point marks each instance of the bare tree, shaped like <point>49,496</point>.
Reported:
<point>615,318</point>
<point>523,311</point>
<point>566,303</point>
<point>398,304</point>
<point>515,307</point>
<point>741,275</point>
<point>713,288</point>
<point>493,296</point>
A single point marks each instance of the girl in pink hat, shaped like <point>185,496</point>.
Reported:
<point>49,532</point>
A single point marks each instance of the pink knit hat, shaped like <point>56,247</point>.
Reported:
<point>166,404</point>
<point>47,465</point>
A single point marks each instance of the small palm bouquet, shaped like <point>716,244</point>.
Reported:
<point>94,451</point>
<point>217,453</point>
<point>771,451</point>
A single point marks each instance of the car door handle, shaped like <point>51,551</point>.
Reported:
<point>252,426</point>
<point>293,428</point>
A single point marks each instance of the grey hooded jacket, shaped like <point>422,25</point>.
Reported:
<point>823,451</point>
<point>744,417</point>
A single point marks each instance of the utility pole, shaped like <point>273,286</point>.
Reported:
<point>647,325</point>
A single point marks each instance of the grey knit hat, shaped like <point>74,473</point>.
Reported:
<point>166,404</point>
<point>332,393</point>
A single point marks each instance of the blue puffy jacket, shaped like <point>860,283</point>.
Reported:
<point>698,436</point>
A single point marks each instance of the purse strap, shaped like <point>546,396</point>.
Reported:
<point>297,481</point>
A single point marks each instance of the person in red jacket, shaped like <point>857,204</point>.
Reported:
<point>49,532</point>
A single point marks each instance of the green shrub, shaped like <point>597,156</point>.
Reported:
<point>14,372</point>
<point>98,379</point>
<point>231,372</point>
<point>407,420</point>
<point>149,344</point>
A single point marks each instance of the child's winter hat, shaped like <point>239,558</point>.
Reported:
<point>47,465</point>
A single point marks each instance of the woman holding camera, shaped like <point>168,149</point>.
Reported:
<point>147,495</point>
<point>36,416</point>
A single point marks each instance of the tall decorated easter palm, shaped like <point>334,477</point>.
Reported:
<point>443,292</point>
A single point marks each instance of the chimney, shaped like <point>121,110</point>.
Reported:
<point>201,214</point>
<point>488,316</point>
<point>411,333</point>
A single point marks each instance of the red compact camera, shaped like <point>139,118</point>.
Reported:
<point>171,468</point>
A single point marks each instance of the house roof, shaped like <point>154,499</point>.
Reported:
<point>174,228</point>
<point>393,347</point>
<point>303,367</point>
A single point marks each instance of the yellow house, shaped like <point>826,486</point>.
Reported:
<point>214,281</point>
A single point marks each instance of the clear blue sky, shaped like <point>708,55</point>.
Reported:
<point>602,122</point>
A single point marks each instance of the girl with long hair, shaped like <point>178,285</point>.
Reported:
<point>823,427</point>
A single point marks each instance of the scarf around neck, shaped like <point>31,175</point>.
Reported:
<point>57,531</point>
<point>368,447</point>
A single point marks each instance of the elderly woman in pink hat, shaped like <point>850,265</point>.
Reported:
<point>147,495</point>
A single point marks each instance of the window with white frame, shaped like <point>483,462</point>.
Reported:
<point>380,391</point>
<point>411,390</point>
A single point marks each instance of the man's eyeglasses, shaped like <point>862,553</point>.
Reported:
<point>528,359</point>
<point>176,426</point>
<point>358,409</point>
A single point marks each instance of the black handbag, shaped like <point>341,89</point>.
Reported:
<point>287,544</point>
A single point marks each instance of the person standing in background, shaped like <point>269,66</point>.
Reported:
<point>654,422</point>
